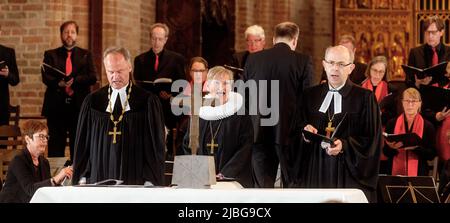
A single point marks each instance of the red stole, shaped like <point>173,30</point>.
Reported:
<point>443,138</point>
<point>406,162</point>
<point>380,92</point>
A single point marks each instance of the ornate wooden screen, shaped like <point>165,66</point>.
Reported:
<point>380,27</point>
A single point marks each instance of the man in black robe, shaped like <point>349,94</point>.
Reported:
<point>273,142</point>
<point>120,131</point>
<point>223,133</point>
<point>353,160</point>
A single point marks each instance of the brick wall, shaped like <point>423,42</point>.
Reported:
<point>31,27</point>
<point>127,23</point>
<point>313,17</point>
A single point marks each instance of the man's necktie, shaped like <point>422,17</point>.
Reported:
<point>117,111</point>
<point>156,62</point>
<point>69,90</point>
<point>435,59</point>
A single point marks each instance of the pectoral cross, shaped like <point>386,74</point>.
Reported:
<point>329,129</point>
<point>114,133</point>
<point>212,145</point>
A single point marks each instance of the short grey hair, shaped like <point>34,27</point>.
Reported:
<point>255,30</point>
<point>119,50</point>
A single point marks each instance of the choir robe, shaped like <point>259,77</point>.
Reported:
<point>426,151</point>
<point>235,140</point>
<point>360,133</point>
<point>138,155</point>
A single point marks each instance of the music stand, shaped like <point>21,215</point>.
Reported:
<point>404,189</point>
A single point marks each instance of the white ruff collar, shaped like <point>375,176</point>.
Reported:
<point>232,106</point>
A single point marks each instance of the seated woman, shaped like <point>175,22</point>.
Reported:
<point>411,161</point>
<point>222,132</point>
<point>30,170</point>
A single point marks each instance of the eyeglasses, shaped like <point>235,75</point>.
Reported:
<point>410,101</point>
<point>339,64</point>
<point>42,136</point>
<point>432,32</point>
<point>377,71</point>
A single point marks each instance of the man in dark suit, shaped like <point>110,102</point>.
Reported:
<point>68,72</point>
<point>256,40</point>
<point>358,74</point>
<point>273,140</point>
<point>9,75</point>
<point>432,52</point>
<point>160,63</point>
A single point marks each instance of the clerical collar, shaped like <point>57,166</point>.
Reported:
<point>332,93</point>
<point>234,103</point>
<point>123,95</point>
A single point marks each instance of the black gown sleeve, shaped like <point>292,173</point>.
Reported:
<point>154,158</point>
<point>82,154</point>
<point>362,152</point>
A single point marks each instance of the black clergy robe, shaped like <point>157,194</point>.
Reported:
<point>360,133</point>
<point>138,155</point>
<point>234,139</point>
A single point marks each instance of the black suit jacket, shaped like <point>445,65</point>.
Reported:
<point>421,57</point>
<point>21,180</point>
<point>171,65</point>
<point>294,72</point>
<point>83,72</point>
<point>9,56</point>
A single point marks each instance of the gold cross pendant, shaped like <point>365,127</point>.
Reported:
<point>212,146</point>
<point>114,133</point>
<point>329,129</point>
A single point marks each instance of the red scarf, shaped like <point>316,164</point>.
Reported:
<point>442,137</point>
<point>406,162</point>
<point>380,92</point>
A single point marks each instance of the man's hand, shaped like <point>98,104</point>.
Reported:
<point>4,72</point>
<point>336,149</point>
<point>309,128</point>
<point>63,83</point>
<point>424,81</point>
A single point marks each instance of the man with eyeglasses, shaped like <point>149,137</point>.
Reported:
<point>293,71</point>
<point>357,76</point>
<point>350,117</point>
<point>432,52</point>
<point>255,39</point>
<point>157,63</point>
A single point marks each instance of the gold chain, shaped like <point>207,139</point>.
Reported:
<point>111,116</point>
<point>218,127</point>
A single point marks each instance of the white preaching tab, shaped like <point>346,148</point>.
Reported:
<point>123,98</point>
<point>332,93</point>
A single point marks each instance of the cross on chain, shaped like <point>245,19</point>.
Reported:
<point>212,145</point>
<point>114,133</point>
